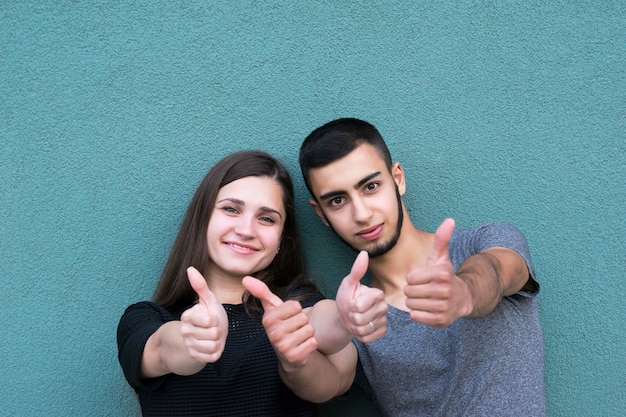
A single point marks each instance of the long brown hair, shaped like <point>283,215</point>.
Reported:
<point>190,247</point>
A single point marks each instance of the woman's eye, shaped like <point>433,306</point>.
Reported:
<point>229,209</point>
<point>267,220</point>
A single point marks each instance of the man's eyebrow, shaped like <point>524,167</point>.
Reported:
<point>366,179</point>
<point>337,193</point>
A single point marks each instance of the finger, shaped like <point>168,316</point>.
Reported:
<point>434,320</point>
<point>300,352</point>
<point>199,285</point>
<point>260,290</point>
<point>198,316</point>
<point>439,251</point>
<point>372,330</point>
<point>370,301</point>
<point>359,268</point>
<point>285,319</point>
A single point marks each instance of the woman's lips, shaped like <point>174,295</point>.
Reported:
<point>241,248</point>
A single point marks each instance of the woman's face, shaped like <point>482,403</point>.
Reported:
<point>246,224</point>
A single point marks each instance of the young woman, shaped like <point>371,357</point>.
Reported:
<point>200,346</point>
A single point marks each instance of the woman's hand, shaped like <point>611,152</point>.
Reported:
<point>204,326</point>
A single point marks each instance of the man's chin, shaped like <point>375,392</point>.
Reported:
<point>372,250</point>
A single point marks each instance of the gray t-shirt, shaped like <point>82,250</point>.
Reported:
<point>492,366</point>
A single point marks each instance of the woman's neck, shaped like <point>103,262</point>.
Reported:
<point>227,289</point>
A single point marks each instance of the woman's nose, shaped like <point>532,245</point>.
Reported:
<point>245,226</point>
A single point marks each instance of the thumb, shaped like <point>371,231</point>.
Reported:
<point>261,291</point>
<point>199,285</point>
<point>359,268</point>
<point>439,251</point>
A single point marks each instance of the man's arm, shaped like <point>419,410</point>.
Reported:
<point>438,296</point>
<point>491,275</point>
<point>337,322</point>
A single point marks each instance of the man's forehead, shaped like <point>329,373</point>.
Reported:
<point>363,156</point>
<point>347,172</point>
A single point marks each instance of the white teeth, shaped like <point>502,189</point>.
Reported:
<point>239,247</point>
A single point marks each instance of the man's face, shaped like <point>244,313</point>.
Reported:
<point>360,200</point>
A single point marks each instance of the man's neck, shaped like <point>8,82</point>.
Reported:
<point>389,271</point>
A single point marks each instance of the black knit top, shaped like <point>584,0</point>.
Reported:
<point>243,382</point>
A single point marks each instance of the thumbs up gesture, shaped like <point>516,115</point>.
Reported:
<point>286,324</point>
<point>435,295</point>
<point>362,310</point>
<point>204,326</point>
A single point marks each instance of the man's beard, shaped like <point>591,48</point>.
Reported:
<point>383,247</point>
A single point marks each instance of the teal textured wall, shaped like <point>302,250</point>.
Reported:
<point>110,114</point>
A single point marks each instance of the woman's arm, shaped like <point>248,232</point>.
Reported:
<point>165,352</point>
<point>184,347</point>
<point>322,377</point>
<point>316,357</point>
<point>309,373</point>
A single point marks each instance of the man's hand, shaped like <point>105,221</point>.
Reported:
<point>362,310</point>
<point>435,295</point>
<point>286,324</point>
<point>204,326</point>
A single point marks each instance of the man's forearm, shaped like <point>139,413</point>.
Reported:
<point>490,276</point>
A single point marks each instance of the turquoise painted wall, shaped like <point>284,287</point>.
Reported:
<point>111,113</point>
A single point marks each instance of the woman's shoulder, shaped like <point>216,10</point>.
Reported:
<point>148,309</point>
<point>304,291</point>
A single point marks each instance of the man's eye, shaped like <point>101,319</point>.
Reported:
<point>371,186</point>
<point>336,201</point>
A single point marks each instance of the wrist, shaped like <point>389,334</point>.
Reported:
<point>288,368</point>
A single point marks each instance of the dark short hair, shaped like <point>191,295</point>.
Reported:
<point>336,139</point>
<point>190,247</point>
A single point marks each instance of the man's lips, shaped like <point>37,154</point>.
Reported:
<point>371,232</point>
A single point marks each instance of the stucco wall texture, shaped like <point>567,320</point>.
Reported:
<point>112,112</point>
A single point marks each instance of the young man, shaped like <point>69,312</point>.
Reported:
<point>463,332</point>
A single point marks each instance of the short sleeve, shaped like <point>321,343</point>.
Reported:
<point>136,325</point>
<point>470,241</point>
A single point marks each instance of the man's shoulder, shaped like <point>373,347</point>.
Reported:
<point>488,235</point>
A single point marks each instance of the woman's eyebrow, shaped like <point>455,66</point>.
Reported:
<point>271,210</point>
<point>233,200</point>
<point>239,202</point>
